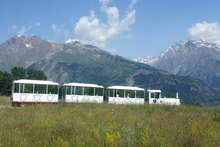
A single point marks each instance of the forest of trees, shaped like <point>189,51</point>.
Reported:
<point>6,78</point>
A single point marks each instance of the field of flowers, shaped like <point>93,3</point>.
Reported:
<point>95,125</point>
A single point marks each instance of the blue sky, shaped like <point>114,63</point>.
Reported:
<point>143,29</point>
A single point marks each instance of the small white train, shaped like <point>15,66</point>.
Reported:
<point>35,91</point>
<point>83,93</point>
<point>155,98</point>
<point>126,95</point>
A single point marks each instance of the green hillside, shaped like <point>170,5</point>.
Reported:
<point>83,63</point>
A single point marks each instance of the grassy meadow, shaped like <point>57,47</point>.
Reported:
<point>95,125</point>
<point>4,100</point>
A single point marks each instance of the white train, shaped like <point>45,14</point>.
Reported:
<point>155,98</point>
<point>83,93</point>
<point>35,91</point>
<point>126,95</point>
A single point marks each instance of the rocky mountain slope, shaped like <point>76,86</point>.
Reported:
<point>77,62</point>
<point>24,51</point>
<point>198,59</point>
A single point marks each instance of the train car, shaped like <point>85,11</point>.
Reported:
<point>125,95</point>
<point>34,91</point>
<point>155,98</point>
<point>83,93</point>
<point>37,91</point>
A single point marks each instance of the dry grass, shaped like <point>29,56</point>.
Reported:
<point>110,125</point>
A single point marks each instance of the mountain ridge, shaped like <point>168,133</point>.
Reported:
<point>78,62</point>
<point>196,58</point>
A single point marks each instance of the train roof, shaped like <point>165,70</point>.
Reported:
<point>40,82</point>
<point>154,91</point>
<point>126,88</point>
<point>83,85</point>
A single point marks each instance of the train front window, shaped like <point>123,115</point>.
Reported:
<point>152,95</point>
<point>157,95</point>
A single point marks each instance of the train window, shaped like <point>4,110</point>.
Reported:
<point>147,95</point>
<point>52,89</point>
<point>130,94</point>
<point>79,91</point>
<point>16,88</point>
<point>152,95</point>
<point>89,91</point>
<point>68,90</point>
<point>140,94</point>
<point>73,90</point>
<point>21,88</point>
<point>111,93</point>
<point>120,93</point>
<point>40,89</point>
<point>28,88</point>
<point>157,95</point>
<point>99,92</point>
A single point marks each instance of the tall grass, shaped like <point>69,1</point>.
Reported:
<point>110,125</point>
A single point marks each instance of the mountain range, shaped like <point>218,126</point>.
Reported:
<point>74,61</point>
<point>196,58</point>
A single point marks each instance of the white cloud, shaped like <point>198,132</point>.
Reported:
<point>55,27</point>
<point>61,32</point>
<point>92,29</point>
<point>14,29</point>
<point>132,4</point>
<point>205,31</point>
<point>105,2</point>
<point>22,30</point>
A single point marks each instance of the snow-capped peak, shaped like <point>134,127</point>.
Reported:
<point>146,60</point>
<point>204,43</point>
<point>183,47</point>
<point>190,44</point>
<point>19,35</point>
<point>72,41</point>
<point>28,45</point>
